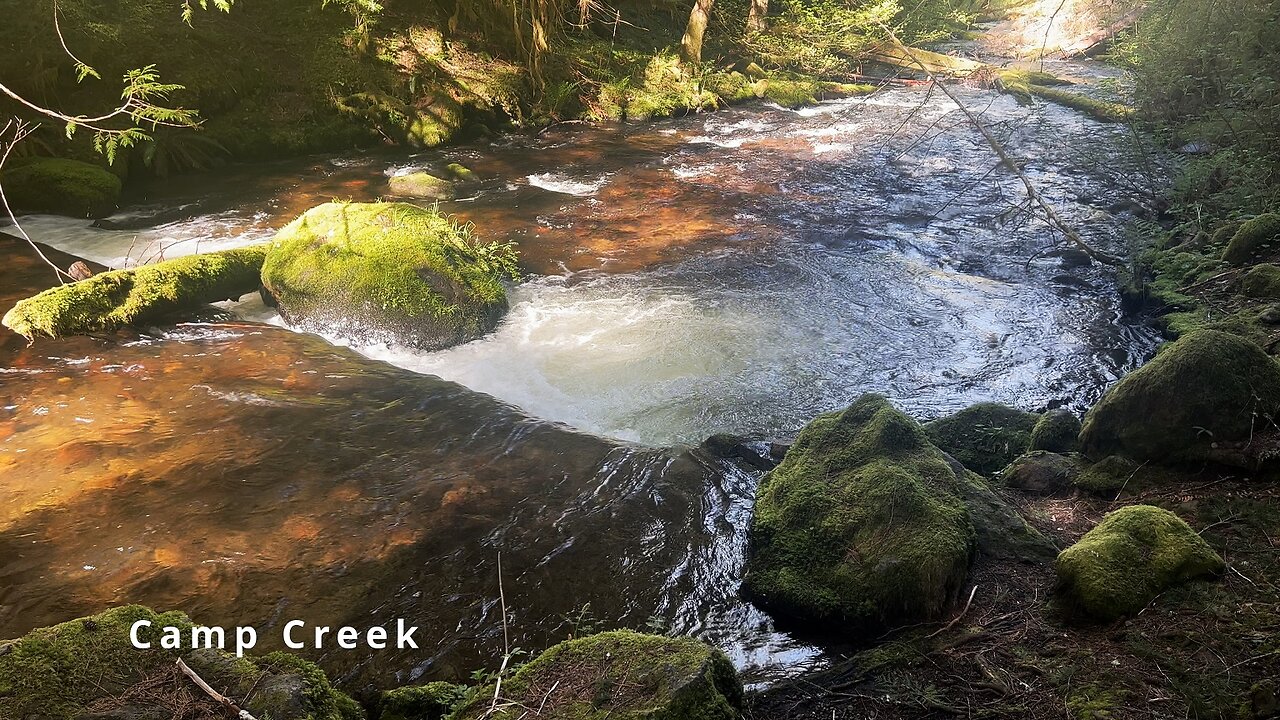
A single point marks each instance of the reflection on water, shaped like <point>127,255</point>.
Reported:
<point>736,272</point>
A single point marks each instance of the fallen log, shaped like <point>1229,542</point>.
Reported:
<point>899,55</point>
<point>1095,43</point>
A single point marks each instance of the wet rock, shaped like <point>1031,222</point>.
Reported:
<point>387,272</point>
<point>1057,431</point>
<point>759,454</point>
<point>1260,233</point>
<point>1207,388</point>
<point>1262,282</point>
<point>421,185</point>
<point>620,675</point>
<point>1132,556</point>
<point>1041,473</point>
<point>61,187</point>
<point>462,173</point>
<point>1270,316</point>
<point>984,437</point>
<point>433,701</point>
<point>1072,258</point>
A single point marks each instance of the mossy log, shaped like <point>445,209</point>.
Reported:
<point>897,56</point>
<point>123,298</point>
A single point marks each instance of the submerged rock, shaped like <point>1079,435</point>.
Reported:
<point>984,437</point>
<point>620,675</point>
<point>385,271</point>
<point>1041,473</point>
<point>1132,556</point>
<point>1058,431</point>
<point>89,668</point>
<point>1261,232</point>
<point>1196,397</point>
<point>61,187</point>
<point>422,185</point>
<point>123,298</point>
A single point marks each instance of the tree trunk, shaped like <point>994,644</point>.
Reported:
<point>691,43</point>
<point>755,17</point>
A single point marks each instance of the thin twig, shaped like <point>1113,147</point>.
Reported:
<point>219,697</point>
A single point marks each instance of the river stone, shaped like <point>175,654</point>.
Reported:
<point>984,437</point>
<point>87,668</point>
<point>619,675</point>
<point>1202,398</point>
<point>421,185</point>
<point>1041,473</point>
<point>61,187</point>
<point>1058,431</point>
<point>1132,556</point>
<point>383,272</point>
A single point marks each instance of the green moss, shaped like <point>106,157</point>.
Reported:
<point>1133,555</point>
<point>1262,282</point>
<point>433,701</point>
<point>1058,431</point>
<point>61,187</point>
<point>620,675</point>
<point>730,87</point>
<point>1205,389</point>
<point>394,271</point>
<point>1107,476</point>
<point>462,173</point>
<point>123,298</point>
<point>984,437</point>
<point>1040,473</point>
<point>790,91</point>
<point>860,524</point>
<point>1254,236</point>
<point>1026,84</point>
<point>1094,702</point>
<point>421,184</point>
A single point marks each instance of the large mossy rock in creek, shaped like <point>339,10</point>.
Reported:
<point>1202,398</point>
<point>866,524</point>
<point>421,185</point>
<point>122,298</point>
<point>388,272</point>
<point>88,668</point>
<point>1260,233</point>
<point>1132,556</point>
<point>620,675</point>
<point>984,437</point>
<point>61,187</point>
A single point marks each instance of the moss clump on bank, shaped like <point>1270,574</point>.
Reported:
<point>1262,232</point>
<point>1058,431</point>
<point>1041,473</point>
<point>61,187</point>
<point>620,675</point>
<point>433,701</point>
<point>984,437</point>
<point>1262,282</point>
<point>89,666</point>
<point>389,272</point>
<point>860,525</point>
<point>123,298</point>
<point>1108,476</point>
<point>1133,555</point>
<point>1202,391</point>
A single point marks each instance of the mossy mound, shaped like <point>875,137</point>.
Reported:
<point>1041,473</point>
<point>1206,389</point>
<point>1261,232</point>
<point>61,187</point>
<point>422,185</point>
<point>1262,282</point>
<point>462,173</point>
<point>433,701</point>
<point>123,298</point>
<point>984,437</point>
<point>620,675</point>
<point>860,524</point>
<point>1058,431</point>
<point>1108,476</point>
<point>1132,556</point>
<point>389,272</point>
<point>89,668</point>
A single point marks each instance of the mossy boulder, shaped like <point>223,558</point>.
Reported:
<point>385,272</point>
<point>1132,556</point>
<point>1199,395</point>
<point>422,185</point>
<point>1041,473</point>
<point>1108,476</point>
<point>122,298</point>
<point>61,187</point>
<point>461,172</point>
<point>620,675</point>
<point>1262,282</point>
<point>1259,233</point>
<point>984,437</point>
<point>1057,431</point>
<point>89,668</point>
<point>433,701</point>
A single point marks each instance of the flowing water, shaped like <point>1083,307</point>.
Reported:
<point>735,272</point>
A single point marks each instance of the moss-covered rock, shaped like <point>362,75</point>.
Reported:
<point>1041,473</point>
<point>387,272</point>
<point>984,437</point>
<point>122,298</point>
<point>433,701</point>
<point>1261,232</point>
<point>61,187</point>
<point>1058,431</point>
<point>422,185</point>
<point>89,668</point>
<point>860,524</point>
<point>620,675</point>
<point>1132,556</point>
<point>1108,476</point>
<point>1208,389</point>
<point>1262,282</point>
<point>461,172</point>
